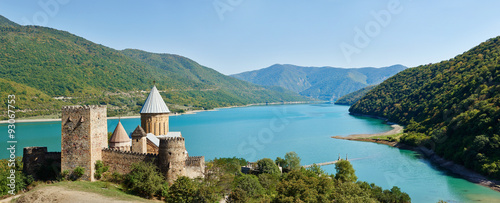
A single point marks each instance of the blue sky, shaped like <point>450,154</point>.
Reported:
<point>233,36</point>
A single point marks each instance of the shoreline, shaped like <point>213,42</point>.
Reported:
<point>430,155</point>
<point>28,120</point>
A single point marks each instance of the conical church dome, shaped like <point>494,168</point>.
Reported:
<point>119,135</point>
<point>154,103</point>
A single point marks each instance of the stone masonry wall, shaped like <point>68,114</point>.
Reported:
<point>195,166</point>
<point>36,157</point>
<point>121,161</point>
<point>83,136</point>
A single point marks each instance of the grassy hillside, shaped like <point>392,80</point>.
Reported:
<point>324,83</point>
<point>59,64</point>
<point>353,97</point>
<point>452,106</point>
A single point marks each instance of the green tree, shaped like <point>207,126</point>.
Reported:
<point>183,190</point>
<point>266,165</point>
<point>250,184</point>
<point>144,180</point>
<point>345,171</point>
<point>292,160</point>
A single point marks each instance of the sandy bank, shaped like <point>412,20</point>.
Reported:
<point>395,130</point>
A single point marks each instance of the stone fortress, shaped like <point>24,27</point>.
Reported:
<point>84,140</point>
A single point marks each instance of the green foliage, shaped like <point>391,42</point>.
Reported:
<point>100,169</point>
<point>452,107</point>
<point>292,161</point>
<point>230,165</point>
<point>316,170</point>
<point>47,63</point>
<point>250,184</point>
<point>345,171</point>
<point>21,180</point>
<point>77,173</point>
<point>237,196</point>
<point>144,180</point>
<point>267,165</point>
<point>353,97</point>
<point>183,190</point>
<point>325,83</point>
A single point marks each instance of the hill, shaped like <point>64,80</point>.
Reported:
<point>452,107</point>
<point>60,64</point>
<point>353,97</point>
<point>325,83</point>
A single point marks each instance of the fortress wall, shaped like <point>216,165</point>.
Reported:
<point>195,166</point>
<point>34,158</point>
<point>121,161</point>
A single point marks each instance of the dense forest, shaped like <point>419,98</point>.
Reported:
<point>452,107</point>
<point>325,83</point>
<point>353,97</point>
<point>42,63</point>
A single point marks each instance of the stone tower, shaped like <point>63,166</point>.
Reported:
<point>83,136</point>
<point>139,142</point>
<point>120,140</point>
<point>154,114</point>
<point>172,158</point>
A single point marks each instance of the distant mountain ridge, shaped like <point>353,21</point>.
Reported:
<point>325,83</point>
<point>60,64</point>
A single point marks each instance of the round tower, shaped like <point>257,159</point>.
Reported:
<point>154,114</point>
<point>172,158</point>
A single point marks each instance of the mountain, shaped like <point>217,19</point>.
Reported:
<point>452,107</point>
<point>60,64</point>
<point>325,83</point>
<point>353,97</point>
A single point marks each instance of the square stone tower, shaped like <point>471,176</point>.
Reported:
<point>84,133</point>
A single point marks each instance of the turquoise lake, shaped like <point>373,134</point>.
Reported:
<point>269,131</point>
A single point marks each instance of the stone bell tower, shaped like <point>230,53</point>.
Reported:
<point>154,114</point>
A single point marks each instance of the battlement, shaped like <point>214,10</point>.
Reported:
<point>84,107</point>
<point>109,150</point>
<point>34,150</point>
<point>171,139</point>
<point>195,160</point>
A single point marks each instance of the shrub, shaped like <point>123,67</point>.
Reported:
<point>100,169</point>
<point>144,180</point>
<point>77,173</point>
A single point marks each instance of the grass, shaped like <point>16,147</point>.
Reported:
<point>106,189</point>
<point>390,138</point>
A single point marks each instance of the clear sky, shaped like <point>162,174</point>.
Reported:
<point>233,36</point>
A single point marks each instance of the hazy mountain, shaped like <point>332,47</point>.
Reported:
<point>324,83</point>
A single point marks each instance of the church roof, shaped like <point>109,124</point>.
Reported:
<point>119,135</point>
<point>138,132</point>
<point>154,103</point>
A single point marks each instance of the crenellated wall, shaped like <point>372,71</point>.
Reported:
<point>121,161</point>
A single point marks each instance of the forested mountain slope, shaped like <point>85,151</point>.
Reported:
<point>452,106</point>
<point>58,63</point>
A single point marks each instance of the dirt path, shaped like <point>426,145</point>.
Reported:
<point>395,130</point>
<point>60,194</point>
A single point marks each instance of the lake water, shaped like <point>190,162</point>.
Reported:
<point>270,131</point>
